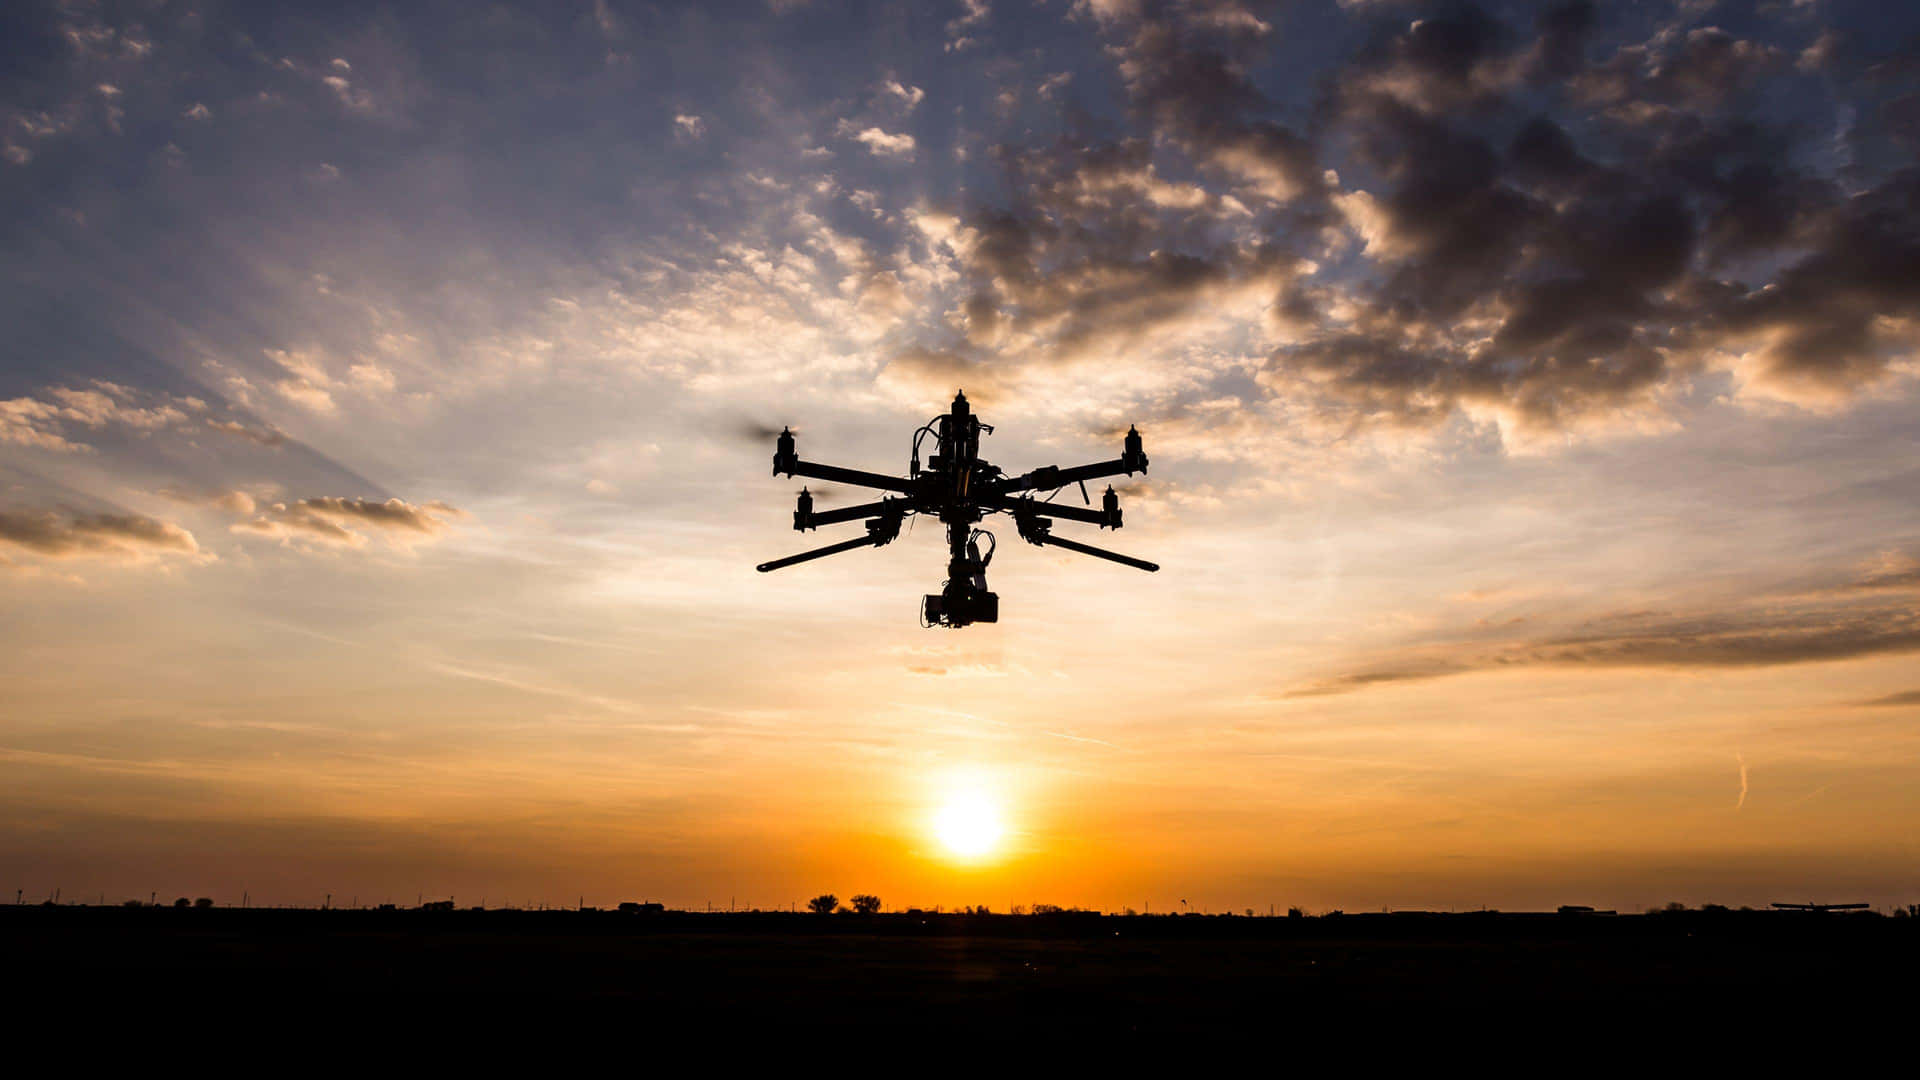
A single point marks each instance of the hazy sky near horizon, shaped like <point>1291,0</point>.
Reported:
<point>386,403</point>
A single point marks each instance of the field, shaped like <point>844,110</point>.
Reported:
<point>995,975</point>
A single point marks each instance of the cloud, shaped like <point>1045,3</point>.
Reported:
<point>1757,638</point>
<point>308,384</point>
<point>124,537</point>
<point>972,14</point>
<point>346,522</point>
<point>1904,699</point>
<point>43,422</point>
<point>878,142</point>
<point>264,437</point>
<point>30,422</point>
<point>689,126</point>
<point>233,501</point>
<point>1890,571</point>
<point>1518,259</point>
<point>930,374</point>
<point>909,96</point>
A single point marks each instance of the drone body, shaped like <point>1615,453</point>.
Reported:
<point>960,488</point>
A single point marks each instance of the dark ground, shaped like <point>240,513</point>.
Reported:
<point>992,976</point>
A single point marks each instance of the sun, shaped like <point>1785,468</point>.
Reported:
<point>969,825</point>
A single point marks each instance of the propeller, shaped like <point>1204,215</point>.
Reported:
<point>748,429</point>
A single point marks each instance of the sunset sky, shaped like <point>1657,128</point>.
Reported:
<point>386,408</point>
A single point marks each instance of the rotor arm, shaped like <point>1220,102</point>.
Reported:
<point>1132,459</point>
<point>786,462</point>
<point>1107,517</point>
<point>1098,553</point>
<point>806,518</point>
<point>1038,531</point>
<point>817,553</point>
<point>1048,477</point>
<point>881,531</point>
<point>854,477</point>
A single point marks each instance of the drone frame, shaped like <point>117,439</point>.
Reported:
<point>961,488</point>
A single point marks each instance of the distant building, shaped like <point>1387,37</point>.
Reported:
<point>628,907</point>
<point>437,905</point>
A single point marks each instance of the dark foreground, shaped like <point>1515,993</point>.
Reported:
<point>990,976</point>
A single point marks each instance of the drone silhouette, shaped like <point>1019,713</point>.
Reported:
<point>960,488</point>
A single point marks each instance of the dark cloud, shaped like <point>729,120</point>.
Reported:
<point>1698,71</point>
<point>1454,56</point>
<point>59,535</point>
<point>931,373</point>
<point>1546,225</point>
<point>1105,251</point>
<point>1836,318</point>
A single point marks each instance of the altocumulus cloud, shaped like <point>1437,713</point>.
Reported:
<point>49,421</point>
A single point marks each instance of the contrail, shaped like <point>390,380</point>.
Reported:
<point>1737,756</point>
<point>1079,738</point>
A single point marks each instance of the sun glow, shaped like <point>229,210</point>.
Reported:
<point>969,825</point>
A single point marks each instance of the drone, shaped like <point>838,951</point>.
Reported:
<point>960,488</point>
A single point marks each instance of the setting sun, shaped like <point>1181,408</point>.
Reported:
<point>969,825</point>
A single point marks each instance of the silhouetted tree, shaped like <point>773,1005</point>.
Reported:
<point>183,902</point>
<point>204,902</point>
<point>866,903</point>
<point>824,904</point>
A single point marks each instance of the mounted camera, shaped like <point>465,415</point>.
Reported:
<point>960,606</point>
